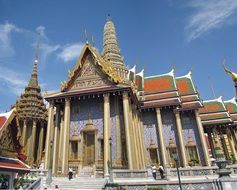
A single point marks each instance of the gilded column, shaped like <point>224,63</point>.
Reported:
<point>233,137</point>
<point>139,147</point>
<point>33,142</point>
<point>202,138</point>
<point>65,144</point>
<point>60,151</point>
<point>143,166</point>
<point>144,152</point>
<point>133,138</point>
<point>41,140</point>
<point>211,142</point>
<point>49,134</point>
<point>161,137</point>
<point>181,141</point>
<point>118,134</point>
<point>127,131</point>
<point>106,133</point>
<point>232,145</point>
<point>24,133</point>
<point>56,141</point>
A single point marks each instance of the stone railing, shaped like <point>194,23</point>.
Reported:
<point>194,171</point>
<point>233,168</point>
<point>129,173</point>
<point>35,185</point>
<point>170,172</point>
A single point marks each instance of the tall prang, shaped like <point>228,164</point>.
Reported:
<point>32,114</point>
<point>111,51</point>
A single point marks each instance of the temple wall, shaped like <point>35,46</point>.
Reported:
<point>112,126</point>
<point>80,111</point>
<point>169,128</point>
<point>189,126</point>
<point>150,124</point>
<point>150,128</point>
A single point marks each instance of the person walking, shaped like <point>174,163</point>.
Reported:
<point>70,174</point>
<point>161,170</point>
<point>154,170</point>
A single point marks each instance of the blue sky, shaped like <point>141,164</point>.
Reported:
<point>156,35</point>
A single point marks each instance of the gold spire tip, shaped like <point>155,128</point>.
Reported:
<point>86,37</point>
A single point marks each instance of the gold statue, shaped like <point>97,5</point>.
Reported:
<point>232,74</point>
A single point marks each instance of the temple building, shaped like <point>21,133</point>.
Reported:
<point>107,114</point>
<point>31,113</point>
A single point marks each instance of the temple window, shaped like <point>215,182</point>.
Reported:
<point>192,152</point>
<point>172,150</point>
<point>152,149</point>
<point>74,145</point>
<point>101,141</point>
<point>74,150</point>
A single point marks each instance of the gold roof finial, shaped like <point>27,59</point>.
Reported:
<point>92,41</point>
<point>86,37</point>
<point>212,88</point>
<point>37,45</point>
<point>231,73</point>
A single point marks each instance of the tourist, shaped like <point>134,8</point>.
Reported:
<point>70,174</point>
<point>154,169</point>
<point>161,170</point>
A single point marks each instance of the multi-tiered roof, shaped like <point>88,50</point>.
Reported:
<point>214,112</point>
<point>30,105</point>
<point>111,51</point>
<point>166,90</point>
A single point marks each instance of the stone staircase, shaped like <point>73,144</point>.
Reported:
<point>86,171</point>
<point>79,183</point>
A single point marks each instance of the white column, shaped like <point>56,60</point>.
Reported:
<point>161,137</point>
<point>181,141</point>
<point>106,133</point>
<point>118,134</point>
<point>49,134</point>
<point>41,140</point>
<point>33,141</point>
<point>66,136</point>
<point>56,141</point>
<point>24,133</point>
<point>127,131</point>
<point>202,138</point>
<point>134,134</point>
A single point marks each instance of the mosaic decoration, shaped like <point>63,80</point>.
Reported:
<point>150,130</point>
<point>113,125</point>
<point>80,111</point>
<point>189,126</point>
<point>150,124</point>
<point>136,187</point>
<point>169,128</point>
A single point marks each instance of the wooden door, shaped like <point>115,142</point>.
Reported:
<point>89,149</point>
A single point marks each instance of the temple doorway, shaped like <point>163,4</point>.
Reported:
<point>89,149</point>
<point>89,144</point>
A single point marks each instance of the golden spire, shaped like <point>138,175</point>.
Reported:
<point>86,37</point>
<point>92,41</point>
<point>231,73</point>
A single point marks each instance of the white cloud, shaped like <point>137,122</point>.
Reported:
<point>11,80</point>
<point>47,50</point>
<point>6,48</point>
<point>70,52</point>
<point>209,15</point>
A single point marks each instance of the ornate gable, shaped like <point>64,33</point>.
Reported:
<point>91,71</point>
<point>90,76</point>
